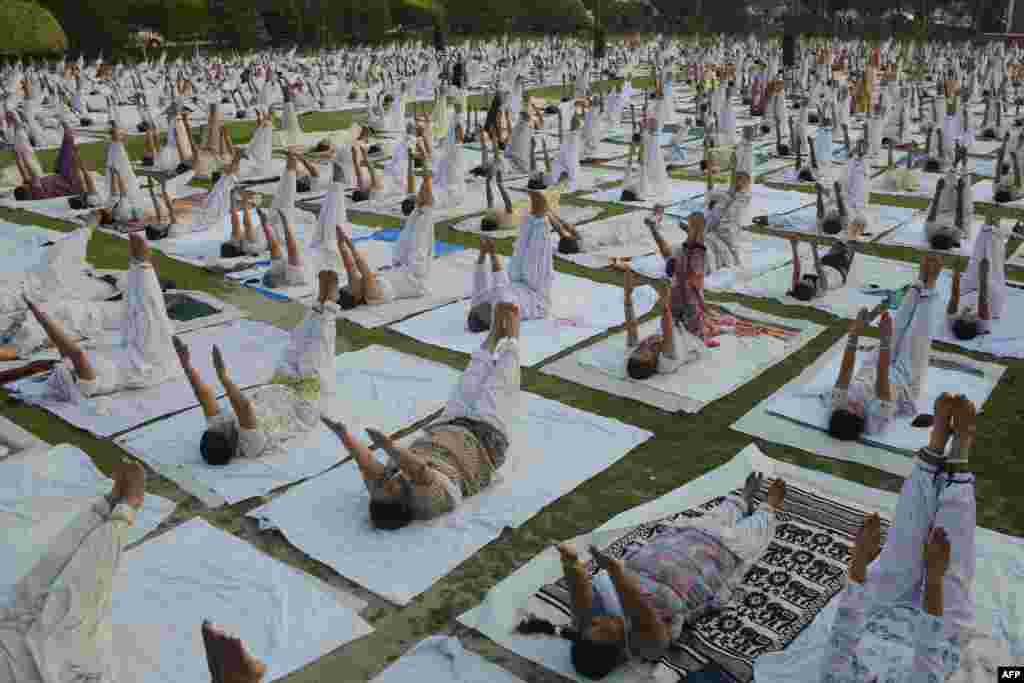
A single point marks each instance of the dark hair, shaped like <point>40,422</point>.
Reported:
<point>641,369</point>
<point>832,225</point>
<point>157,232</point>
<point>629,196</point>
<point>943,242</point>
<point>229,250</point>
<point>965,329</point>
<point>21,193</point>
<point>932,166</point>
<point>360,195</point>
<point>804,291</point>
<point>568,245</point>
<point>594,660</point>
<point>845,426</point>
<point>216,447</point>
<point>479,319</point>
<point>390,515</point>
<point>346,300</point>
<point>1002,196</point>
<point>590,659</point>
<point>536,183</point>
<point>408,206</point>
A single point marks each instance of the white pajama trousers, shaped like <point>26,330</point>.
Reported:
<point>930,499</point>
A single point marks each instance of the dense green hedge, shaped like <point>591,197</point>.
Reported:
<point>32,30</point>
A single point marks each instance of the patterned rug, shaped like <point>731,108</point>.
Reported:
<point>803,568</point>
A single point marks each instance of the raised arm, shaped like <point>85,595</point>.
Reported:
<point>634,603</point>
<point>412,464</point>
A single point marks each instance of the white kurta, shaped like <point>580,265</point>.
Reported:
<point>144,358</point>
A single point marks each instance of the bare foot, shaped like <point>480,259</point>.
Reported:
<point>777,493</point>
<point>138,247</point>
<point>130,484</point>
<point>228,657</point>
<point>328,285</point>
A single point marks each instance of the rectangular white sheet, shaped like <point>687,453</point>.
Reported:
<point>846,302</point>
<point>250,350</point>
<point>442,659</point>
<point>999,588</point>
<point>450,280</point>
<point>373,387</point>
<point>602,257</point>
<point>1007,336</point>
<point>41,492</point>
<point>678,190</point>
<point>912,234</point>
<point>795,415</point>
<point>720,371</point>
<point>168,586</point>
<point>573,215</point>
<point>327,517</point>
<point>763,254</point>
<point>581,309</point>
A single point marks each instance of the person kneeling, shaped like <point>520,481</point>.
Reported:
<point>456,457</point>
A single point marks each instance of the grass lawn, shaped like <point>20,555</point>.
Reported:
<point>684,447</point>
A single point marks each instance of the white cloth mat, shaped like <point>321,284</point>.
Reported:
<point>581,309</point>
<point>796,416</point>
<point>845,302</point>
<point>881,219</point>
<point>57,209</point>
<point>1007,336</point>
<point>450,280</point>
<point>14,439</point>
<point>168,586</point>
<point>717,373</point>
<point>912,235</point>
<point>328,517</point>
<point>588,178</point>
<point>678,190</point>
<point>601,258</point>
<point>374,387</point>
<point>880,185</point>
<point>251,351</point>
<point>42,491</point>
<point>764,254</point>
<point>574,215</point>
<point>442,659</point>
<point>999,581</point>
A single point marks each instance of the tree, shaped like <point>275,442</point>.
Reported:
<point>38,31</point>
